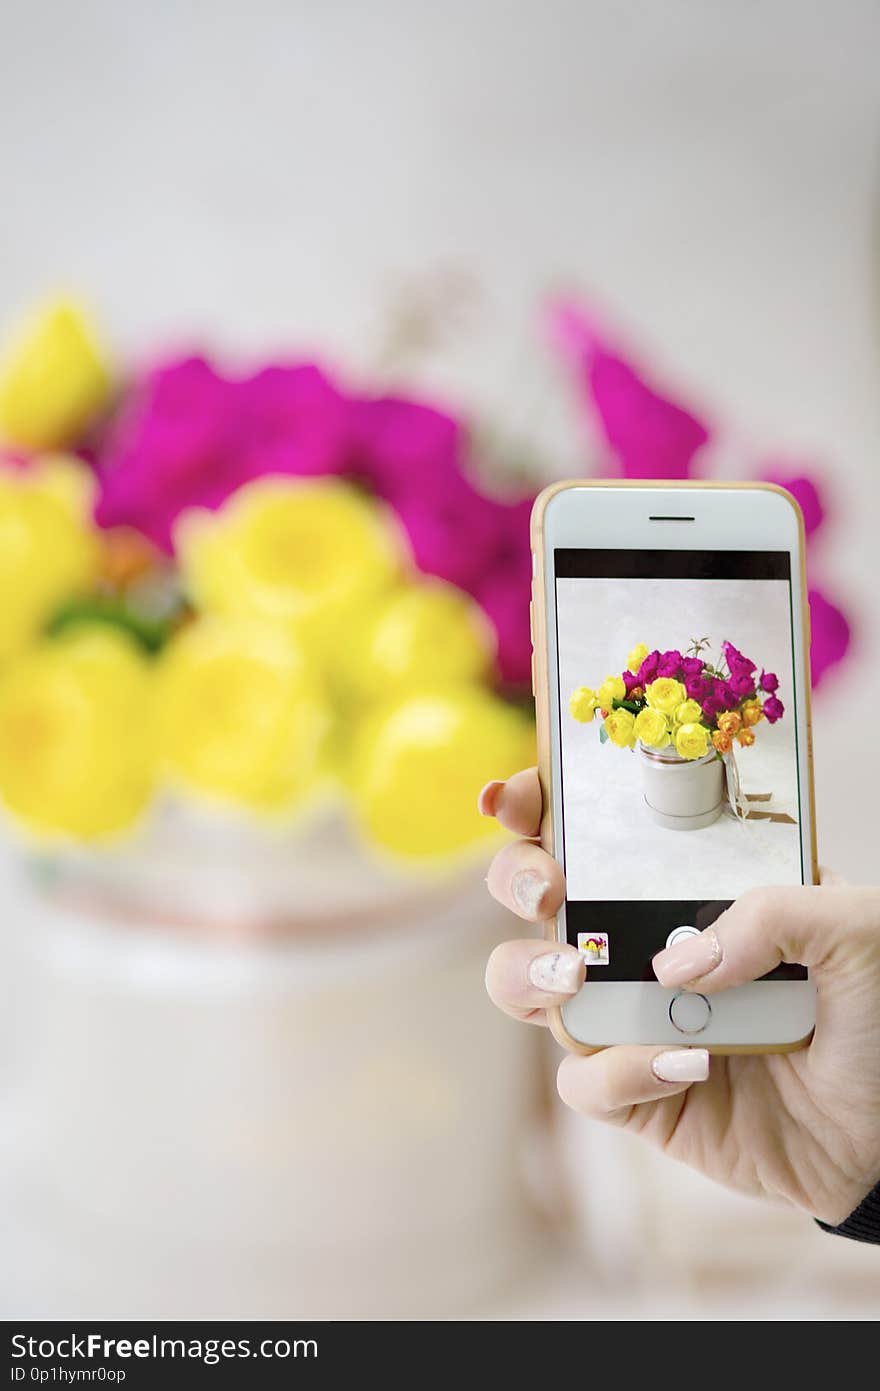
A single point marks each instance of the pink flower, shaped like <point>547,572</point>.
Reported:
<point>831,635</point>
<point>670,665</point>
<point>736,662</point>
<point>648,669</point>
<point>504,597</point>
<point>290,420</point>
<point>649,434</point>
<point>403,449</point>
<point>712,708</point>
<point>742,685</point>
<point>773,709</point>
<point>696,687</point>
<point>692,666</point>
<point>188,437</point>
<point>630,681</point>
<point>769,681</point>
<point>457,534</point>
<point>724,694</point>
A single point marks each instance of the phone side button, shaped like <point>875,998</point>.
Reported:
<point>690,1013</point>
<point>533,673</point>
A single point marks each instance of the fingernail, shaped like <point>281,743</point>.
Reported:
<point>688,960</point>
<point>682,1065</point>
<point>487,802</point>
<point>529,890</point>
<point>559,972</point>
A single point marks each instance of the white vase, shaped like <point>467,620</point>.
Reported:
<point>324,1123</point>
<point>682,794</point>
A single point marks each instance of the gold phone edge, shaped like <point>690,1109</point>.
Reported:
<point>540,690</point>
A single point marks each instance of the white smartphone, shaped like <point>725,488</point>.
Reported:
<point>671,643</point>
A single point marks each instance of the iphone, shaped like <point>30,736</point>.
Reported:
<point>671,637</point>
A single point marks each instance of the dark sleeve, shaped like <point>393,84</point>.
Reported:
<point>864,1223</point>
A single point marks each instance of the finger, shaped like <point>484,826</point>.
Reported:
<point>608,1084</point>
<point>516,803</point>
<point>524,978</point>
<point>764,928</point>
<point>527,880</point>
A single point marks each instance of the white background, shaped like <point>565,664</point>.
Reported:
<point>613,850</point>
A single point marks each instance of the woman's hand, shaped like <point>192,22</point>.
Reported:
<point>804,1126</point>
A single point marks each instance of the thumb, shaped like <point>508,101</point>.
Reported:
<point>821,927</point>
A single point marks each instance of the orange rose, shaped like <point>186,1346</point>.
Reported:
<point>722,741</point>
<point>729,722</point>
<point>752,712</point>
<point>746,737</point>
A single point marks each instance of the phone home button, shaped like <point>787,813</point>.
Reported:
<point>690,1013</point>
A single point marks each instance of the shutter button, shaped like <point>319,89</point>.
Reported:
<point>678,934</point>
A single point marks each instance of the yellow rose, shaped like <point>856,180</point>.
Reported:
<point>620,728</point>
<point>49,549</point>
<point>426,634</point>
<point>53,379</point>
<point>612,689</point>
<point>665,694</point>
<point>583,703</point>
<point>689,712</point>
<point>652,728</point>
<point>636,657</point>
<point>238,714</point>
<point>310,555</point>
<point>76,748</point>
<point>691,740</point>
<point>420,762</point>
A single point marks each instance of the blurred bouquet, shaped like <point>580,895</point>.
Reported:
<point>263,591</point>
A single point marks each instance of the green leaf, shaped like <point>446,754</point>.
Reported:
<point>150,634</point>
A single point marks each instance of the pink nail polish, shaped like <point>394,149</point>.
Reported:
<point>688,960</point>
<point>487,802</point>
<point>681,1065</point>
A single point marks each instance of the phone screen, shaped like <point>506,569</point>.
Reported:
<point>679,755</point>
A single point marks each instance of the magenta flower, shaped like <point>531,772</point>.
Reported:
<point>648,669</point>
<point>290,420</point>
<point>724,694</point>
<point>457,534</point>
<point>404,450</point>
<point>630,681</point>
<point>712,708</point>
<point>769,681</point>
<point>649,434</point>
<point>504,596</point>
<point>773,709</point>
<point>735,660</point>
<point>697,687</point>
<point>742,685</point>
<point>831,632</point>
<point>692,666</point>
<point>670,665</point>
<point>188,437</point>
